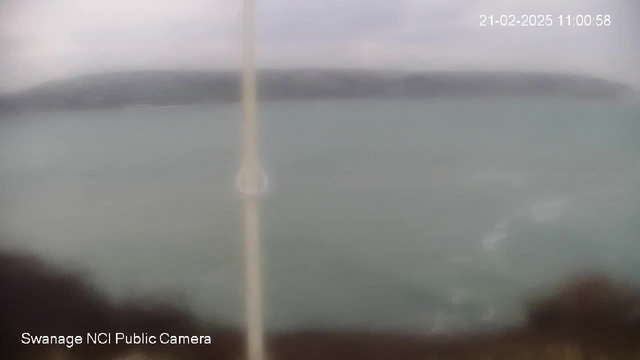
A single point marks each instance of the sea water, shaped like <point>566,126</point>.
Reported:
<point>421,215</point>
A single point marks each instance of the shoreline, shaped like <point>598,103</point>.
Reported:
<point>589,314</point>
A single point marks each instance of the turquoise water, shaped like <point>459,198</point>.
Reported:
<point>420,215</point>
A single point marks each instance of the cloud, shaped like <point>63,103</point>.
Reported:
<point>285,21</point>
<point>46,39</point>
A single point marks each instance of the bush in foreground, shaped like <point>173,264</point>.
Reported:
<point>589,317</point>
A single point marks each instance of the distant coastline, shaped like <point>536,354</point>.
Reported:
<point>170,88</point>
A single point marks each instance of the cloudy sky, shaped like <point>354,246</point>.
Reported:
<point>46,39</point>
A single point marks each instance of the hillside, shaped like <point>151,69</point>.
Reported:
<point>154,88</point>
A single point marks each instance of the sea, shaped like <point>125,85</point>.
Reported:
<point>406,215</point>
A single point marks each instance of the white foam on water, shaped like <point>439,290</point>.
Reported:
<point>548,209</point>
<point>458,296</point>
<point>496,235</point>
<point>512,178</point>
<point>489,315</point>
<point>439,323</point>
<point>446,323</point>
<point>541,211</point>
<point>461,260</point>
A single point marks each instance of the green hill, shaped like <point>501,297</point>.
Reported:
<point>154,88</point>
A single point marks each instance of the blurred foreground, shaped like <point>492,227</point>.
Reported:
<point>589,317</point>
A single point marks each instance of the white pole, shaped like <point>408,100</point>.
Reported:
<point>248,183</point>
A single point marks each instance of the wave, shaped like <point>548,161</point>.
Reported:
<point>496,235</point>
<point>549,209</point>
<point>541,211</point>
<point>512,178</point>
<point>458,296</point>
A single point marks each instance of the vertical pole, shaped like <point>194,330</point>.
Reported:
<point>250,174</point>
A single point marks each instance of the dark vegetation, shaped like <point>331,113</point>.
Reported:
<point>36,298</point>
<point>155,88</point>
<point>589,317</point>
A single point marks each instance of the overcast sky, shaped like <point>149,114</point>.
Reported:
<point>45,39</point>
